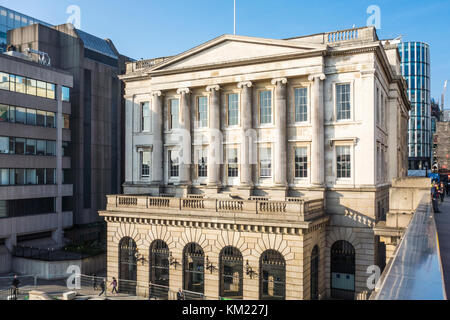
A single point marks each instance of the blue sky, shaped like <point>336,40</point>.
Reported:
<point>153,28</point>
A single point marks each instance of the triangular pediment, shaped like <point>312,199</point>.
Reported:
<point>229,49</point>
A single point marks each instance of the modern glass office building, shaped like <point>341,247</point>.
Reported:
<point>10,19</point>
<point>416,70</point>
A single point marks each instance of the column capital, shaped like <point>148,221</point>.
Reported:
<point>321,76</point>
<point>242,84</point>
<point>277,80</point>
<point>215,87</point>
<point>183,90</point>
<point>156,93</point>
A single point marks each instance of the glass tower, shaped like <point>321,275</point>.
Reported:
<point>415,58</point>
<point>10,19</point>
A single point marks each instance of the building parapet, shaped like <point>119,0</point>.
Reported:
<point>300,210</point>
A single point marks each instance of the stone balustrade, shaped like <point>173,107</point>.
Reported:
<point>306,208</point>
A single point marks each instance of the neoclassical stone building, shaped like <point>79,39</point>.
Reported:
<point>257,168</point>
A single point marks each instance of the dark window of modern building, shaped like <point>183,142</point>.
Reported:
<point>193,268</point>
<point>342,270</point>
<point>67,204</point>
<point>231,273</point>
<point>28,86</point>
<point>26,207</point>
<point>159,269</point>
<point>127,266</point>
<point>272,278</point>
<point>65,94</point>
<point>34,236</point>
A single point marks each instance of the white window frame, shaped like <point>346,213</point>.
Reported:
<point>141,152</point>
<point>352,92</point>
<point>258,97</point>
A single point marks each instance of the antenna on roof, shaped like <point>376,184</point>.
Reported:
<point>234,17</point>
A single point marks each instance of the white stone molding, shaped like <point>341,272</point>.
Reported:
<point>183,90</point>
<point>128,230</point>
<point>275,242</point>
<point>242,84</point>
<point>282,80</point>
<point>343,233</point>
<point>192,235</point>
<point>321,76</point>
<point>215,87</point>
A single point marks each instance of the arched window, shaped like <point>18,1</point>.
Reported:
<point>315,273</point>
<point>272,283</point>
<point>231,273</point>
<point>342,270</point>
<point>159,269</point>
<point>127,266</point>
<point>194,268</point>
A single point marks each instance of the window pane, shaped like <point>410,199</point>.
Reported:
<point>65,94</point>
<point>301,105</point>
<point>51,91</point>
<point>146,120</point>
<point>301,163</point>
<point>343,101</point>
<point>265,155</point>
<point>49,176</point>
<point>21,115</point>
<point>19,146</point>
<point>66,121</point>
<point>41,147</point>
<point>50,120</point>
<point>4,81</point>
<point>202,112</point>
<point>51,148</point>
<point>12,114</point>
<point>20,177</point>
<point>202,166</point>
<point>173,164</point>
<point>12,82</point>
<point>174,114</point>
<point>232,160</point>
<point>146,158</point>
<point>4,113</point>
<point>265,105</point>
<point>343,162</point>
<point>233,109</point>
<point>31,117</point>
<point>31,86</point>
<point>4,177</point>
<point>31,147</point>
<point>41,89</point>
<point>4,145</point>
<point>40,118</point>
<point>31,176</point>
<point>40,176</point>
<point>20,84</point>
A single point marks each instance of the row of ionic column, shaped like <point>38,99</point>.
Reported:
<point>247,149</point>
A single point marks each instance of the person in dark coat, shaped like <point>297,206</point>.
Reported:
<point>103,287</point>
<point>435,197</point>
<point>15,285</point>
<point>180,295</point>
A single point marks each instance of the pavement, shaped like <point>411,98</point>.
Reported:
<point>443,229</point>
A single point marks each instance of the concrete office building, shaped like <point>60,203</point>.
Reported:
<point>257,168</point>
<point>35,193</point>
<point>10,19</point>
<point>97,105</point>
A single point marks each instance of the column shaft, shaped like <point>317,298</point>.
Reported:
<point>185,137</point>
<point>317,145</point>
<point>215,137</point>
<point>158,144</point>
<point>247,125</point>
<point>280,132</point>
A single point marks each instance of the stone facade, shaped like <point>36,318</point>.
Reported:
<point>442,142</point>
<point>303,105</point>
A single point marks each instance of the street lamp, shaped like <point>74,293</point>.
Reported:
<point>249,270</point>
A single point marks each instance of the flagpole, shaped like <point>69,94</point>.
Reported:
<point>234,17</point>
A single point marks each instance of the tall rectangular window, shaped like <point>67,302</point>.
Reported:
<point>174,121</point>
<point>146,117</point>
<point>20,84</point>
<point>202,112</point>
<point>265,107</point>
<point>40,118</point>
<point>20,146</point>
<point>31,176</point>
<point>31,147</point>
<point>265,162</point>
<point>31,117</point>
<point>21,115</point>
<point>174,164</point>
<point>50,120</point>
<point>301,104</point>
<point>4,81</point>
<point>51,91</point>
<point>65,94</point>
<point>202,166</point>
<point>50,176</point>
<point>31,86</point>
<point>4,177</point>
<point>232,163</point>
<point>4,145</point>
<point>4,113</point>
<point>343,101</point>
<point>301,162</point>
<point>233,109</point>
<point>41,89</point>
<point>343,162</point>
<point>20,176</point>
<point>145,164</point>
<point>41,146</point>
<point>51,148</point>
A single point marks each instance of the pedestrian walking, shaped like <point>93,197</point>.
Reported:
<point>180,295</point>
<point>435,197</point>
<point>15,286</point>
<point>114,286</point>
<point>103,287</point>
